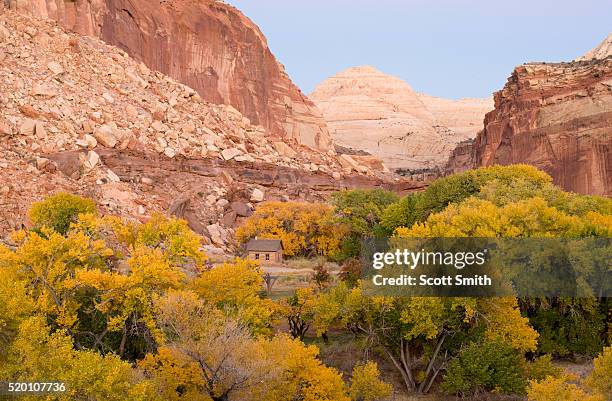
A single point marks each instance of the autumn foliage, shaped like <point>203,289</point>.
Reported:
<point>123,310</point>
<point>304,228</point>
<point>120,310</point>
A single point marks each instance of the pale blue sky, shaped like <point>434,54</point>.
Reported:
<point>454,49</point>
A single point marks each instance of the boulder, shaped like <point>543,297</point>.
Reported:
<point>230,153</point>
<point>347,162</point>
<point>159,126</point>
<point>41,162</point>
<point>108,97</point>
<point>40,130</point>
<point>245,158</point>
<point>68,163</point>
<point>44,90</point>
<point>91,160</point>
<point>241,209</point>
<point>55,67</point>
<point>229,219</point>
<point>226,178</point>
<point>217,234</point>
<point>29,111</point>
<point>112,176</point>
<point>27,127</point>
<point>169,152</point>
<point>189,127</point>
<point>105,135</point>
<point>284,150</point>
<point>5,129</point>
<point>257,195</point>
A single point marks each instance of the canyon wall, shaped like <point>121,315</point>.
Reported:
<point>205,44</point>
<point>557,117</point>
<point>78,115</point>
<point>368,110</point>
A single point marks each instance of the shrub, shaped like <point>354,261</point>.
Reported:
<point>541,368</point>
<point>492,366</point>
<point>599,380</point>
<point>60,210</point>
<point>366,384</point>
<point>321,276</point>
<point>559,389</point>
<point>351,272</point>
<point>571,330</point>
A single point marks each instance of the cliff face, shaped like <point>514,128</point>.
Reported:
<point>81,116</point>
<point>207,45</point>
<point>368,110</point>
<point>557,117</point>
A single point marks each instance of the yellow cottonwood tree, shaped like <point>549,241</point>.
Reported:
<point>559,389</point>
<point>15,305</point>
<point>408,329</point>
<point>599,379</point>
<point>37,354</point>
<point>303,228</point>
<point>235,288</point>
<point>208,355</point>
<point>366,384</point>
<point>303,376</point>
<point>49,261</point>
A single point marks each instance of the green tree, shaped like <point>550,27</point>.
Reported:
<point>361,211</point>
<point>60,210</point>
<point>491,366</point>
<point>501,181</point>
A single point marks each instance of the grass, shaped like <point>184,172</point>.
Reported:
<point>302,263</point>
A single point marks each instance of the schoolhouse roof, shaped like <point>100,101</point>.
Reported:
<point>264,245</point>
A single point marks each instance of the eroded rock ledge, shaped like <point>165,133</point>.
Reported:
<point>557,117</point>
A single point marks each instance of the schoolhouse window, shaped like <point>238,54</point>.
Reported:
<point>256,256</point>
<point>267,256</point>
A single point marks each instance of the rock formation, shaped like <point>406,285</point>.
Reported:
<point>206,44</point>
<point>81,116</point>
<point>601,52</point>
<point>557,117</point>
<point>368,110</point>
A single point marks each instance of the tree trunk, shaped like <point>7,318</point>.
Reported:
<point>406,362</point>
<point>407,379</point>
<point>123,341</point>
<point>431,362</point>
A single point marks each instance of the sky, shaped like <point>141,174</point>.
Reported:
<point>446,48</point>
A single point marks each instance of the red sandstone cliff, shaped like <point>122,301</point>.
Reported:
<point>81,116</point>
<point>557,117</point>
<point>205,44</point>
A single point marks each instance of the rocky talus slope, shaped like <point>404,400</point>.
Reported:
<point>368,110</point>
<point>79,115</point>
<point>206,44</point>
<point>557,117</point>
